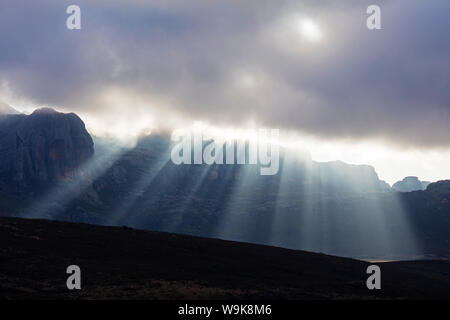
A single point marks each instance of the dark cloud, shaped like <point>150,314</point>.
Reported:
<point>231,61</point>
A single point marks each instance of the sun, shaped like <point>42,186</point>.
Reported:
<point>309,30</point>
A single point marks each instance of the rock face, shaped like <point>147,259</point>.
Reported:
<point>409,184</point>
<point>40,149</point>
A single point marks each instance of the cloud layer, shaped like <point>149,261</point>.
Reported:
<point>239,61</point>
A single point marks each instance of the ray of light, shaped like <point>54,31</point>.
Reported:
<point>55,201</point>
<point>234,215</point>
<point>183,206</point>
<point>249,207</point>
<point>292,171</point>
<point>123,212</point>
<point>323,209</point>
<point>160,189</point>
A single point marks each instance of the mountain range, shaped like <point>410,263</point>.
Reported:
<point>49,170</point>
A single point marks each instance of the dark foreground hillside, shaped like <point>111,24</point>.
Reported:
<point>125,263</point>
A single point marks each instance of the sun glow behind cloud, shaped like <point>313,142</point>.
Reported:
<point>297,34</point>
<point>300,65</point>
<point>309,30</point>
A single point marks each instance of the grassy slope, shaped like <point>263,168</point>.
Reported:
<point>126,263</point>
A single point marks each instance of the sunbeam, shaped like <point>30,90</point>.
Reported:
<point>54,202</point>
<point>233,216</point>
<point>321,208</point>
<point>122,211</point>
<point>192,189</point>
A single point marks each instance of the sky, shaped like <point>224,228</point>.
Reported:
<point>309,68</point>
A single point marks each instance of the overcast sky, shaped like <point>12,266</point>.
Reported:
<point>235,62</point>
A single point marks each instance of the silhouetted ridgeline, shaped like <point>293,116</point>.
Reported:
<point>330,207</point>
<point>124,263</point>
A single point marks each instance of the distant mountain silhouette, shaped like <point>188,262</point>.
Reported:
<point>40,149</point>
<point>409,184</point>
<point>330,207</point>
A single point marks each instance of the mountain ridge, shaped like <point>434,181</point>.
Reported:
<point>332,207</point>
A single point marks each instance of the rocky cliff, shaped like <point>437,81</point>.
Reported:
<point>40,149</point>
